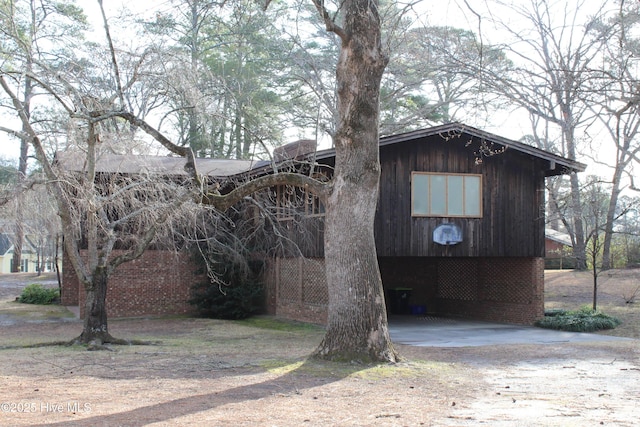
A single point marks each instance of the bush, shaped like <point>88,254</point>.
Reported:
<point>35,293</point>
<point>582,320</point>
<point>235,294</point>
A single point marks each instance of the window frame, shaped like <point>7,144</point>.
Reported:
<point>428,196</point>
<point>292,201</point>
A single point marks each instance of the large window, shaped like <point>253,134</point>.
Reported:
<point>446,195</point>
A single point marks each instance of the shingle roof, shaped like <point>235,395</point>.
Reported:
<point>130,164</point>
<point>558,236</point>
<point>557,165</point>
<point>5,244</point>
<point>114,163</point>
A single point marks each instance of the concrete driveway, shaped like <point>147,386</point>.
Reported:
<point>442,332</point>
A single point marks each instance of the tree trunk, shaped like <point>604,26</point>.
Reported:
<point>579,249</point>
<point>95,311</point>
<point>16,261</point>
<point>357,320</point>
<point>595,285</point>
<point>611,213</point>
<point>22,168</point>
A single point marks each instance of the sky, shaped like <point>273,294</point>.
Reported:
<point>9,146</point>
<point>457,12</point>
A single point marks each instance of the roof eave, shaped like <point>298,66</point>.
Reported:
<point>558,165</point>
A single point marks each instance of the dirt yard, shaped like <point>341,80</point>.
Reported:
<point>255,373</point>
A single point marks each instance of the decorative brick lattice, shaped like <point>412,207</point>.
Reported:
<point>507,280</point>
<point>314,282</point>
<point>302,280</point>
<point>458,279</point>
<point>289,279</point>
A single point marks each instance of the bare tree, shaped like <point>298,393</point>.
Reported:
<point>41,227</point>
<point>357,324</point>
<point>552,67</point>
<point>594,219</point>
<point>99,211</point>
<point>617,106</point>
<point>595,212</point>
<point>32,20</point>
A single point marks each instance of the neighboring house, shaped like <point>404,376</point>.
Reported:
<point>559,250</point>
<point>29,259</point>
<point>460,231</point>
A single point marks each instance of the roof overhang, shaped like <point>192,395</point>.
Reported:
<point>556,165</point>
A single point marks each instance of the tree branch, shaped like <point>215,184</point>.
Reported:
<point>166,143</point>
<point>114,62</point>
<point>224,202</point>
<point>329,24</point>
<point>16,133</point>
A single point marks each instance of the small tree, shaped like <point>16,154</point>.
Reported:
<point>595,211</point>
<point>231,287</point>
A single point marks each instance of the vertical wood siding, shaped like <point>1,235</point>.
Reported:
<point>513,199</point>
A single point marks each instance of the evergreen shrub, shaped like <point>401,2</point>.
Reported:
<point>235,291</point>
<point>584,319</point>
<point>35,293</point>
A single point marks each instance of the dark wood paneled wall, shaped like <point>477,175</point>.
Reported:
<point>513,201</point>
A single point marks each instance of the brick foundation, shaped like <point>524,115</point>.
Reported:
<point>509,290</point>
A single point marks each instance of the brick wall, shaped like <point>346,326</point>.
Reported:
<point>509,290</point>
<point>296,288</point>
<point>158,283</point>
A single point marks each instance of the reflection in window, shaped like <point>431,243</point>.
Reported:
<point>446,195</point>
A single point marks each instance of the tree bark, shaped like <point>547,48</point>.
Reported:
<point>611,212</point>
<point>594,271</point>
<point>22,175</point>
<point>579,249</point>
<point>579,244</point>
<point>357,326</point>
<point>95,327</point>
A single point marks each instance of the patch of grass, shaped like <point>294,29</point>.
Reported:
<point>371,372</point>
<point>35,312</point>
<point>280,366</point>
<point>266,322</point>
<point>581,320</point>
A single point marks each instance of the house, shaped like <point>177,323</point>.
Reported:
<point>558,250</point>
<point>460,231</point>
<point>159,282</point>
<point>29,259</point>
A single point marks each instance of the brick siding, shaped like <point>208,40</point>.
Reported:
<point>158,283</point>
<point>509,290</point>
